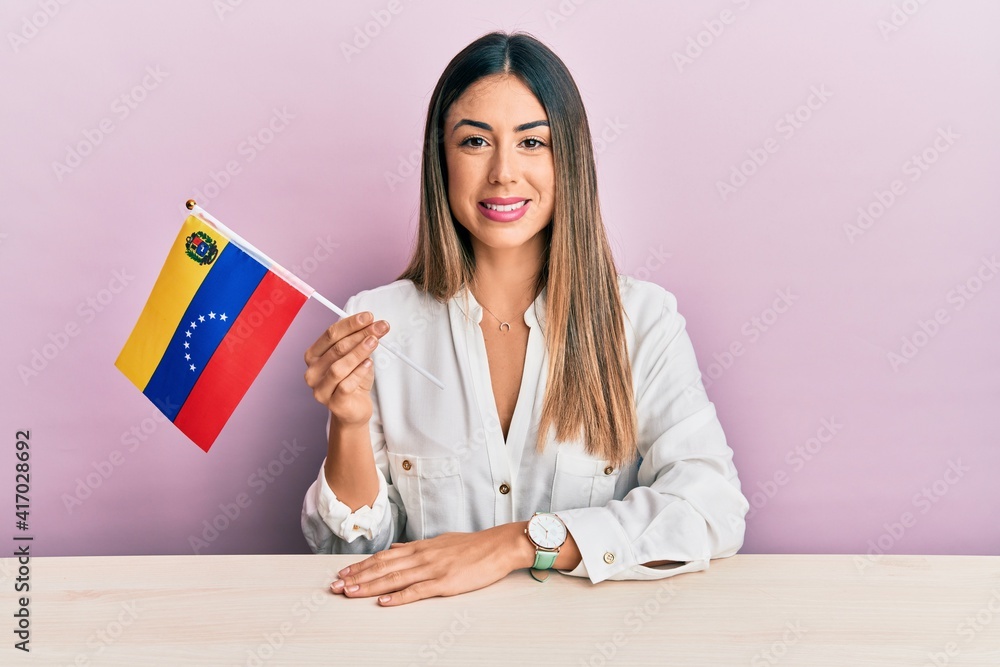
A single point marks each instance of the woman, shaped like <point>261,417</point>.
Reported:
<point>620,470</point>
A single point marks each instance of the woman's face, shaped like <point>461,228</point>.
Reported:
<point>498,150</point>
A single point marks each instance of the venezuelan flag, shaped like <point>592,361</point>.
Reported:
<point>214,317</point>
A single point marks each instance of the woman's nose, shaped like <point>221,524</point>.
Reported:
<point>503,166</point>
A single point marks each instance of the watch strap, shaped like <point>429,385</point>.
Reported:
<point>544,559</point>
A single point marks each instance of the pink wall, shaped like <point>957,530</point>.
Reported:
<point>846,105</point>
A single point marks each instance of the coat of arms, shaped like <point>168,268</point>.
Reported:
<point>201,247</point>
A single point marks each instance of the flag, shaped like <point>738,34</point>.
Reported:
<point>216,312</point>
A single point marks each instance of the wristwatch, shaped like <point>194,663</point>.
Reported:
<point>548,533</point>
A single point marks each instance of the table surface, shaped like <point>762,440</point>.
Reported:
<point>757,610</point>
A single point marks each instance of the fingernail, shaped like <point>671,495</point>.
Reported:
<point>337,585</point>
<point>384,599</point>
<point>370,341</point>
<point>354,588</point>
<point>344,572</point>
<point>382,327</point>
<point>365,318</point>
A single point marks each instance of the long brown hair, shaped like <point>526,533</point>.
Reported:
<point>589,385</point>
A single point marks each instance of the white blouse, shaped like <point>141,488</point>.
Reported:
<point>443,464</point>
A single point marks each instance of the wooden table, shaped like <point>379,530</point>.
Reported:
<point>757,610</point>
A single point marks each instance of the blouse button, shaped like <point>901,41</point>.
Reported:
<point>406,464</point>
<point>504,489</point>
<point>609,557</point>
<point>608,470</point>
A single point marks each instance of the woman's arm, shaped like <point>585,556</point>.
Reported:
<point>449,564</point>
<point>332,526</point>
<point>350,466</point>
<point>351,507</point>
<point>688,507</point>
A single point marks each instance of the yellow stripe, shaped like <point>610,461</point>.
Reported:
<point>176,285</point>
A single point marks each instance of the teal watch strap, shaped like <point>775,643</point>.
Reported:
<point>544,559</point>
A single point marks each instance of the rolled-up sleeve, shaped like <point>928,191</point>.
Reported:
<point>324,516</point>
<point>329,525</point>
<point>688,506</point>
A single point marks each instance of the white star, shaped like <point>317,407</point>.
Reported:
<point>187,357</point>
<point>187,333</point>
<point>192,366</point>
<point>194,325</point>
<point>186,344</point>
<point>201,318</point>
<point>211,316</point>
<point>222,317</point>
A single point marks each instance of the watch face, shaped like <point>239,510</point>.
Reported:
<point>547,531</point>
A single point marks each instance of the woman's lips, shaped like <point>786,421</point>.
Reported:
<point>518,207</point>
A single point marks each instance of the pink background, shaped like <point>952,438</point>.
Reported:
<point>316,197</point>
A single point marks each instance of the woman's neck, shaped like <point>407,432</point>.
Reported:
<point>505,279</point>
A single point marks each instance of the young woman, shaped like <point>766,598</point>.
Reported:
<point>574,432</point>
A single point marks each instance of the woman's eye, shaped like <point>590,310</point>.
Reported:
<point>532,143</point>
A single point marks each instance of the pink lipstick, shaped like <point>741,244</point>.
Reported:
<point>504,209</point>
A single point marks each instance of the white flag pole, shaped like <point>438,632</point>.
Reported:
<point>298,283</point>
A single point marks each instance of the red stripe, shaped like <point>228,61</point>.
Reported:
<point>238,359</point>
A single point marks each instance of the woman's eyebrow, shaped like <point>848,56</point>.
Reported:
<point>489,128</point>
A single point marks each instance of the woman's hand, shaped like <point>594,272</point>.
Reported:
<point>448,564</point>
<point>336,371</point>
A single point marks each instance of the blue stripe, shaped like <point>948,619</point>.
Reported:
<point>224,291</point>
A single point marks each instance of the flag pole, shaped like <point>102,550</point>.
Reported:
<point>300,285</point>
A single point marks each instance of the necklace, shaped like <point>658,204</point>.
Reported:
<point>502,323</point>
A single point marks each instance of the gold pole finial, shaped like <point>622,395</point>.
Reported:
<point>191,204</point>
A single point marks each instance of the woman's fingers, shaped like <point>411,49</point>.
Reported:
<point>323,372</point>
<point>344,346</point>
<point>382,569</point>
<point>335,332</point>
<point>339,330</point>
<point>389,583</point>
<point>448,564</point>
<point>378,561</point>
<point>341,368</point>
<point>369,584</point>
<point>418,591</point>
<point>361,377</point>
<point>338,369</point>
